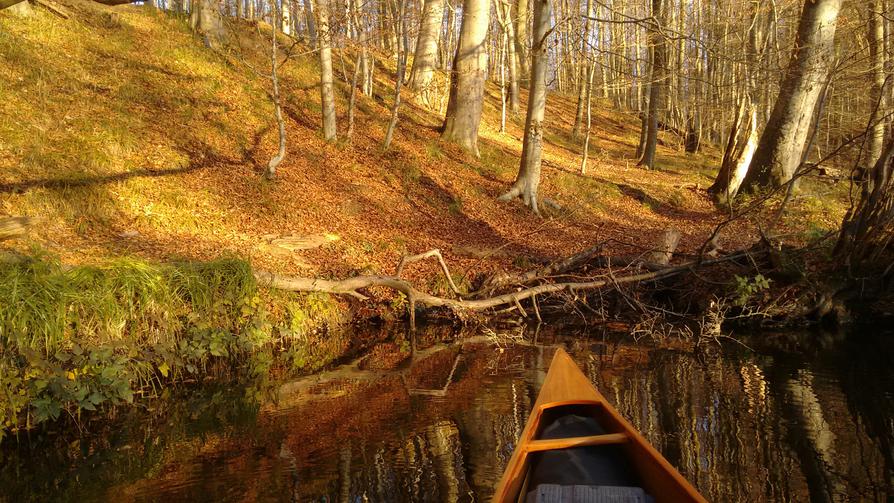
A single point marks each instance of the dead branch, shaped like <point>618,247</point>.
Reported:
<point>406,259</point>
<point>559,267</point>
<point>350,286</point>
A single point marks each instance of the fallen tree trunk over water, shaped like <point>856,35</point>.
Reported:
<point>351,286</point>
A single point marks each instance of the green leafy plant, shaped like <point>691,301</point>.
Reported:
<point>746,288</point>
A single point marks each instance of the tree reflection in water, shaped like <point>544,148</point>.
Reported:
<point>742,426</point>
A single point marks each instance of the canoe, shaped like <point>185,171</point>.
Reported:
<point>577,448</point>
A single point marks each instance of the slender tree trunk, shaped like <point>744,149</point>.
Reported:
<point>353,97</point>
<point>504,41</point>
<point>327,90</point>
<point>583,88</point>
<point>270,173</point>
<point>310,20</point>
<point>585,154</point>
<point>402,50</point>
<point>285,10</point>
<point>507,25</point>
<point>362,26</point>
<point>780,148</point>
<point>446,62</point>
<point>656,86</point>
<point>522,22</point>
<point>426,58</point>
<point>528,179</point>
<point>467,82</point>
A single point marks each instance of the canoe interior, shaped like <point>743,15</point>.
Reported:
<point>613,452</point>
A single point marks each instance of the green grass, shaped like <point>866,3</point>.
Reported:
<point>81,338</point>
<point>496,162</point>
<point>587,191</point>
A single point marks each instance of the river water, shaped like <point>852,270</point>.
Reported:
<point>807,417</point>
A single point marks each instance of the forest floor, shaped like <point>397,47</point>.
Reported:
<point>123,135</point>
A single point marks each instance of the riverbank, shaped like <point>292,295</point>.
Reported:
<point>94,338</point>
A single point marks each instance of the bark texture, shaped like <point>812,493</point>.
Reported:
<point>781,146</point>
<point>270,173</point>
<point>327,89</point>
<point>522,34</point>
<point>656,87</point>
<point>740,151</point>
<point>205,18</point>
<point>582,88</point>
<point>426,57</point>
<point>467,82</point>
<point>528,179</point>
<point>876,37</point>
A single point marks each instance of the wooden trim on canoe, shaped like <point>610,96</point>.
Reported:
<point>566,385</point>
<point>568,443</point>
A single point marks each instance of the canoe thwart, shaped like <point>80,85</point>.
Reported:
<point>571,442</point>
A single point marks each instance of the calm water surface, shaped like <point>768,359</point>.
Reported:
<point>812,422</point>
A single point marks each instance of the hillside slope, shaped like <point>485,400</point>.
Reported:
<point>123,135</point>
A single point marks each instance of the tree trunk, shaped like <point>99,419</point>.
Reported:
<point>446,63</point>
<point>877,74</point>
<point>311,22</point>
<point>522,22</point>
<point>528,180</point>
<point>656,86</point>
<point>585,154</point>
<point>426,58</point>
<point>285,10</point>
<point>205,19</point>
<point>585,74</point>
<point>467,82</point>
<point>402,50</point>
<point>780,148</point>
<point>504,8</point>
<point>270,173</point>
<point>738,155</point>
<point>353,97</point>
<point>327,90</point>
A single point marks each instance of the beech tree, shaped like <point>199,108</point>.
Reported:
<point>425,60</point>
<point>658,61</point>
<point>780,149</point>
<point>878,101</point>
<point>327,91</point>
<point>270,172</point>
<point>205,18</point>
<point>528,179</point>
<point>740,147</point>
<point>466,99</point>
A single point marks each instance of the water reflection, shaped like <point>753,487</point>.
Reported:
<point>742,426</point>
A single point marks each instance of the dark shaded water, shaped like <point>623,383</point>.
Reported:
<point>743,426</point>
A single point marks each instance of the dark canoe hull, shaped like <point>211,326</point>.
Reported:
<point>567,392</point>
